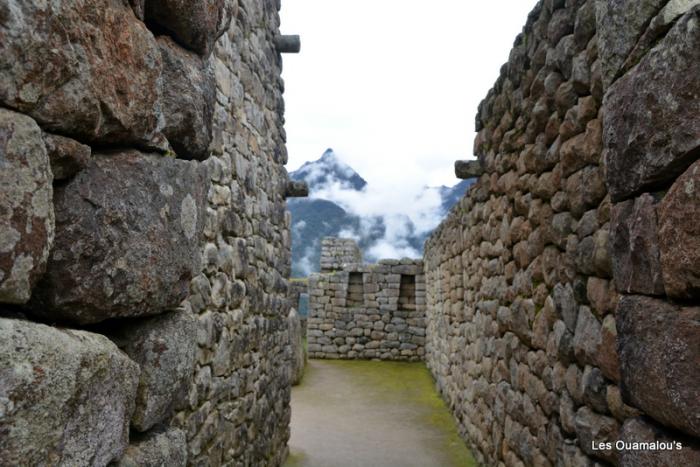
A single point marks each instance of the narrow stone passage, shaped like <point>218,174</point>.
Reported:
<point>372,414</point>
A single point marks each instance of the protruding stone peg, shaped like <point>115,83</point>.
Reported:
<point>296,189</point>
<point>288,44</point>
<point>468,169</point>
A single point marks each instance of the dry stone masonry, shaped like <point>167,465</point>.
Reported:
<point>144,241</point>
<point>562,291</point>
<point>365,311</point>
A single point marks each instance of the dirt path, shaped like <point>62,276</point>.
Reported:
<point>371,414</point>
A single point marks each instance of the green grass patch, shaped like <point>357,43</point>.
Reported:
<point>414,386</point>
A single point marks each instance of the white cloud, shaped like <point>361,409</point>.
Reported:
<point>393,85</point>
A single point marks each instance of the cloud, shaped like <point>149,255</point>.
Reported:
<point>393,85</point>
<point>406,211</point>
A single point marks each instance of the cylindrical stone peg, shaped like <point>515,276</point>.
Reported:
<point>288,44</point>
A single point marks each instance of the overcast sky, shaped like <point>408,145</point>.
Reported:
<point>393,85</point>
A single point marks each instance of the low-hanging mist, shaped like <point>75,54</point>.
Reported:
<point>387,220</point>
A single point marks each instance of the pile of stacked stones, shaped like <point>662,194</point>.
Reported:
<point>367,311</point>
<point>144,243</point>
<point>524,278</point>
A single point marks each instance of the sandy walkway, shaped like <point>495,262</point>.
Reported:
<point>371,414</point>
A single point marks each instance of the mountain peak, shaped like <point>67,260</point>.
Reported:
<point>326,171</point>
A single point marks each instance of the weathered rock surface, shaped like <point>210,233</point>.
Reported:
<point>642,430</point>
<point>659,345</point>
<point>164,347</point>
<point>188,92</point>
<point>156,449</point>
<point>26,210</point>
<point>635,245</point>
<point>296,341</point>
<point>195,24</point>
<point>88,69</point>
<point>127,238</point>
<point>66,397</point>
<point>679,235</point>
<point>618,26</point>
<point>658,26</point>
<point>296,189</point>
<point>67,156</point>
<point>592,427</point>
<point>468,169</point>
<point>652,120</point>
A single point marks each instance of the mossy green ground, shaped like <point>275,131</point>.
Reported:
<point>362,413</point>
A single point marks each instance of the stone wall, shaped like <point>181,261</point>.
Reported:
<point>337,252</point>
<point>144,243</point>
<point>558,319</point>
<point>651,136</point>
<point>371,311</point>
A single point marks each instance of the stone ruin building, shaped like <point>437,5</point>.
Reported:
<point>144,242</point>
<point>365,311</point>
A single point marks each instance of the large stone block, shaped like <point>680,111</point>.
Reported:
<point>26,210</point>
<point>195,24</point>
<point>88,69</point>
<point>652,114</point>
<point>188,93</point>
<point>66,396</point>
<point>128,238</point>
<point>619,25</point>
<point>670,449</point>
<point>296,342</point>
<point>164,346</point>
<point>659,345</point>
<point>635,245</point>
<point>679,235</point>
<point>156,449</point>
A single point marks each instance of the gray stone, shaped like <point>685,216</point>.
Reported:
<point>565,303</point>
<point>296,341</point>
<point>166,448</point>
<point>594,389</point>
<point>468,169</point>
<point>195,24</point>
<point>287,43</point>
<point>296,189</point>
<point>164,347</point>
<point>92,73</point>
<point>66,396</point>
<point>67,156</point>
<point>587,338</point>
<point>659,346</point>
<point>619,23</point>
<point>679,236</point>
<point>678,450</point>
<point>26,210</point>
<point>635,244</point>
<point>657,27</point>
<point>188,91</point>
<point>585,25</point>
<point>649,137</point>
<point>127,238</point>
<point>594,428</point>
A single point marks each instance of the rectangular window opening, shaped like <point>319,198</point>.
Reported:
<point>407,293</point>
<point>356,290</point>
